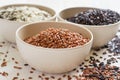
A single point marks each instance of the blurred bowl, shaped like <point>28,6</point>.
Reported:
<point>8,28</point>
<point>48,59</point>
<point>101,33</point>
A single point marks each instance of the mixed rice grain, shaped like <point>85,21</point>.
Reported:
<point>24,14</point>
<point>57,38</point>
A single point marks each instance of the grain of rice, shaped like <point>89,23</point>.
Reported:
<point>57,38</point>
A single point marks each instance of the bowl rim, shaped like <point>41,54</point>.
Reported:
<point>39,47</point>
<point>31,5</point>
<point>95,26</point>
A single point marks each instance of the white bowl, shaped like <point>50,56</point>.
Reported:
<point>52,60</point>
<point>8,28</point>
<point>101,33</point>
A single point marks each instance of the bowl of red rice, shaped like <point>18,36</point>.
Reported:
<point>53,47</point>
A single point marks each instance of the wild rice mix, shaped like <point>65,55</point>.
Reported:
<point>101,72</point>
<point>57,38</point>
<point>24,14</point>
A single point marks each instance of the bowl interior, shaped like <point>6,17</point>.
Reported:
<point>35,28</point>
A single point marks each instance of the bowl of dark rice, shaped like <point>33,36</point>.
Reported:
<point>103,23</point>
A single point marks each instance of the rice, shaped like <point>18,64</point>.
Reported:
<point>24,14</point>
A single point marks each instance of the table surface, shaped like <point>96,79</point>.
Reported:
<point>10,54</point>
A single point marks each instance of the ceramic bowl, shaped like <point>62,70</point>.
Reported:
<point>8,28</point>
<point>52,60</point>
<point>101,33</point>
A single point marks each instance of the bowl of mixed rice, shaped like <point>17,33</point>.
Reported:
<point>15,15</point>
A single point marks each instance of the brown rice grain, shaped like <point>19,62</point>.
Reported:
<point>57,38</point>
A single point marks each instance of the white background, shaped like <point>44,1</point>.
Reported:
<point>61,4</point>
